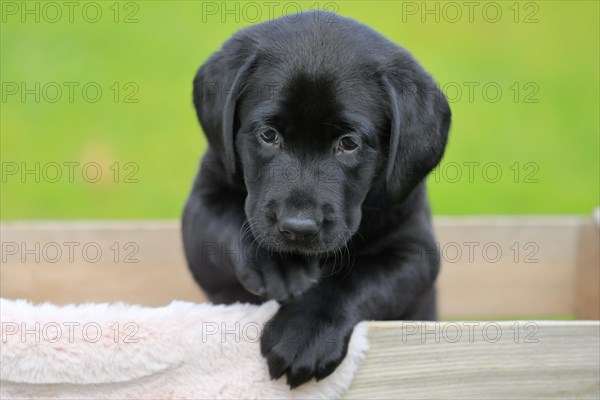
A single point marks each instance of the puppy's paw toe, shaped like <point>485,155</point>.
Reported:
<point>325,368</point>
<point>252,280</point>
<point>278,364</point>
<point>299,374</point>
<point>275,283</point>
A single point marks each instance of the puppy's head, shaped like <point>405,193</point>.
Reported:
<point>310,115</point>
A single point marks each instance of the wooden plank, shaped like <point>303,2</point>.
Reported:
<point>587,301</point>
<point>533,274</point>
<point>507,266</point>
<point>477,360</point>
<point>137,262</point>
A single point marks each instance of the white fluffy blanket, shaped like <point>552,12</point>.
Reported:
<point>182,350</point>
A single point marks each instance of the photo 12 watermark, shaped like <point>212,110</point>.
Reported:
<point>521,332</point>
<point>257,11</point>
<point>69,172</point>
<point>70,92</point>
<point>69,332</point>
<point>452,12</point>
<point>464,252</point>
<point>70,252</point>
<point>491,92</point>
<point>485,172</point>
<point>331,172</point>
<point>468,331</point>
<point>52,12</point>
<point>468,91</point>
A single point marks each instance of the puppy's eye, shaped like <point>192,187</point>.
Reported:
<point>269,136</point>
<point>347,144</point>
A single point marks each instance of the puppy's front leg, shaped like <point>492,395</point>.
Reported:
<point>308,337</point>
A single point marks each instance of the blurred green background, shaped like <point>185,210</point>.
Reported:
<point>522,79</point>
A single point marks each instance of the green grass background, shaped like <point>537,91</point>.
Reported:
<point>556,138</point>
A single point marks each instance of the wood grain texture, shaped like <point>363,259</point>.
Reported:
<point>587,301</point>
<point>529,359</point>
<point>507,266</point>
<point>491,266</point>
<point>139,262</point>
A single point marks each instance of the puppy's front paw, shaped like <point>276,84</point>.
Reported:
<point>278,277</point>
<point>304,344</point>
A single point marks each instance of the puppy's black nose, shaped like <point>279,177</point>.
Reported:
<point>298,228</point>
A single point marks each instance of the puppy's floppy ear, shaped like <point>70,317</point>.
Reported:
<point>218,84</point>
<point>420,120</point>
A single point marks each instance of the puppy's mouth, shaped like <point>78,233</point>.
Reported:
<point>308,247</point>
<point>315,246</point>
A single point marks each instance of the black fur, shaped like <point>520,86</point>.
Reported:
<point>285,207</point>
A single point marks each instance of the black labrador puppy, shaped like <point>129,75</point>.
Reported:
<point>311,191</point>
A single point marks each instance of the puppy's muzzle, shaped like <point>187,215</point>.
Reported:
<point>299,229</point>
